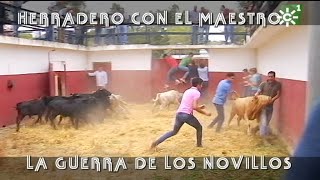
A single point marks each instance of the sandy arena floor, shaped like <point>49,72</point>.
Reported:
<point>133,137</point>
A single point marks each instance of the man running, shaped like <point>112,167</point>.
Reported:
<point>184,114</point>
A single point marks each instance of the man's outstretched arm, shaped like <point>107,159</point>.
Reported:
<point>92,74</point>
<point>200,109</point>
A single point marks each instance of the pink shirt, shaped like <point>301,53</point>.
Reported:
<point>189,96</point>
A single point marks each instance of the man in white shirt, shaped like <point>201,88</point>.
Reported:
<point>101,78</point>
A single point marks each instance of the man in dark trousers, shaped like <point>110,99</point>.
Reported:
<point>184,114</point>
<point>173,63</point>
<point>224,89</point>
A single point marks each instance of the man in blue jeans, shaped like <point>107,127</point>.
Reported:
<point>184,114</point>
<point>270,88</point>
<point>183,66</point>
<point>228,28</point>
<point>223,90</point>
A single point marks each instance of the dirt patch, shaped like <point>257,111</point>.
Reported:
<point>133,137</point>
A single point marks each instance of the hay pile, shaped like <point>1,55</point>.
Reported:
<point>133,137</point>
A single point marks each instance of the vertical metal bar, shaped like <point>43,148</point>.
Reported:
<point>313,83</point>
<point>64,85</point>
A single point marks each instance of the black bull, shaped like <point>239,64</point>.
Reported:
<point>77,106</point>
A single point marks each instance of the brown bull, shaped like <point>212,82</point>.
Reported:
<point>164,99</point>
<point>249,109</point>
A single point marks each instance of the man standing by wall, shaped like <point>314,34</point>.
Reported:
<point>194,17</point>
<point>205,28</point>
<point>223,90</point>
<point>123,28</point>
<point>203,72</point>
<point>270,88</point>
<point>246,87</point>
<point>101,78</point>
<point>17,4</point>
<point>228,28</point>
<point>254,81</point>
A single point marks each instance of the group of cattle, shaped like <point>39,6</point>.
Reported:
<point>76,106</point>
<point>83,106</point>
<point>247,108</point>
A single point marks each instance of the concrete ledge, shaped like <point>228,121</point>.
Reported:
<point>257,39</point>
<point>39,43</point>
<point>161,47</point>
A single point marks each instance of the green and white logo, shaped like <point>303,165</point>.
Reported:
<point>290,14</point>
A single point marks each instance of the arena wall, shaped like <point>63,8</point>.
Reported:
<point>138,77</point>
<point>130,72</point>
<point>27,68</point>
<point>223,61</point>
<point>286,53</point>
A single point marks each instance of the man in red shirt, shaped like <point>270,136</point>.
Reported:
<point>173,63</point>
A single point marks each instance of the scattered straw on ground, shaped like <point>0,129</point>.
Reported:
<point>133,137</point>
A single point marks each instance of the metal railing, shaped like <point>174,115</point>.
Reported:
<point>265,7</point>
<point>89,35</point>
<point>157,35</point>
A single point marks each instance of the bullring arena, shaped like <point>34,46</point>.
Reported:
<point>137,78</point>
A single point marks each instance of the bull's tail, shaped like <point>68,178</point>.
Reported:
<point>123,102</point>
<point>17,105</point>
<point>157,98</point>
<point>156,102</point>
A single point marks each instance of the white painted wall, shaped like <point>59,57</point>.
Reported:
<point>123,59</point>
<point>17,59</point>
<point>22,60</point>
<point>286,53</point>
<point>75,60</point>
<point>231,60</point>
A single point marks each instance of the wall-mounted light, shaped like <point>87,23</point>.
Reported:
<point>10,84</point>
